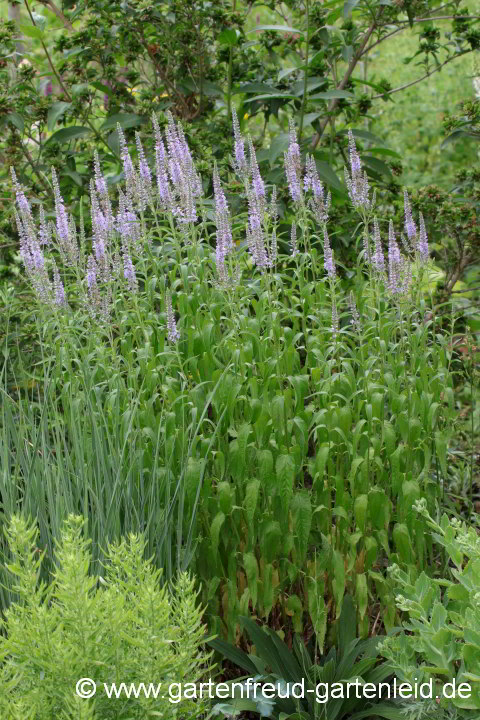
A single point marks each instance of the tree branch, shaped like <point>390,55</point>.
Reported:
<point>346,78</point>
<point>58,13</point>
<point>414,82</point>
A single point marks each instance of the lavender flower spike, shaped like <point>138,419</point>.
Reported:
<point>356,182</point>
<point>410,227</point>
<point>173,334</point>
<point>293,238</point>
<point>127,162</point>
<point>378,259</point>
<point>334,320</point>
<point>329,264</point>
<point>100,183</point>
<point>394,262</point>
<point>357,326</point>
<point>257,182</point>
<point>161,170</point>
<point>60,299</point>
<point>422,246</point>
<point>22,201</point>
<point>222,219</point>
<point>293,166</point>
<point>240,162</point>
<point>60,212</point>
<point>144,179</point>
<point>129,270</point>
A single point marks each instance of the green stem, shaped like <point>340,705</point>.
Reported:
<point>305,74</point>
<point>230,66</point>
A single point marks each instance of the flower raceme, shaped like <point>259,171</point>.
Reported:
<point>118,237</point>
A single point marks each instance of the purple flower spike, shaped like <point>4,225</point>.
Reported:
<point>161,168</point>
<point>422,246</point>
<point>410,227</point>
<point>357,326</point>
<point>240,162</point>
<point>62,219</point>
<point>22,201</point>
<point>129,270</point>
<point>91,273</point>
<point>222,220</point>
<point>173,334</point>
<point>394,262</point>
<point>44,233</point>
<point>144,185</point>
<point>127,162</point>
<point>329,264</point>
<point>320,202</point>
<point>378,259</point>
<point>293,239</point>
<point>59,290</point>
<point>356,182</point>
<point>186,182</point>
<point>293,165</point>
<point>334,320</point>
<point>100,183</point>
<point>257,182</point>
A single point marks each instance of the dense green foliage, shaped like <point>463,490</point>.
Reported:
<point>252,366</point>
<point>320,690</point>
<point>444,619</point>
<point>121,628</point>
<point>276,445</point>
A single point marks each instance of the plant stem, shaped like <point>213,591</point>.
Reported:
<point>305,74</point>
<point>230,66</point>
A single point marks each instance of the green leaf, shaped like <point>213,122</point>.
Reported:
<point>253,87</point>
<point>234,654</point>
<point>16,120</point>
<point>361,594</point>
<point>285,469</point>
<point>360,510</point>
<point>69,133</point>
<point>310,118</point>
<point>215,529</point>
<point>385,151</point>
<point>312,84</point>
<point>338,582</point>
<point>348,6</point>
<point>270,97</point>
<point>441,448</point>
<point>55,112</point>
<point>76,177</point>
<point>126,120</point>
<point>39,20</point>
<point>333,94</point>
<point>31,31</point>
<point>228,37</point>
<point>102,88</point>
<point>365,135</point>
<point>276,28</point>
<point>302,521</point>
<point>326,173</point>
<point>251,569</point>
<point>376,164</point>
<point>79,88</point>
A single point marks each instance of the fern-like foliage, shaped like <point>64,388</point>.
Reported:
<point>123,627</point>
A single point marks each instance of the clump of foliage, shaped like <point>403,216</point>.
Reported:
<point>443,640</point>
<point>122,627</point>
<point>257,420</point>
<point>309,684</point>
